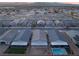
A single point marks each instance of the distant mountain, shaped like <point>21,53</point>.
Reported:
<point>52,4</point>
<point>35,4</point>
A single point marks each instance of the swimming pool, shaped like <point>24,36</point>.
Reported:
<point>58,51</point>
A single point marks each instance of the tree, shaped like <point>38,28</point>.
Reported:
<point>33,24</point>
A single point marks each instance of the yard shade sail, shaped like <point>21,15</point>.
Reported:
<point>23,38</point>
<point>8,36</point>
<point>39,38</point>
<point>55,38</point>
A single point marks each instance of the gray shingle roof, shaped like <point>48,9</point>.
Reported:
<point>55,38</point>
<point>39,38</point>
<point>9,36</point>
<point>23,38</point>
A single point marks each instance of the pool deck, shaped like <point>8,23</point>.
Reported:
<point>3,49</point>
<point>37,51</point>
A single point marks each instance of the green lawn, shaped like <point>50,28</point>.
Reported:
<point>16,50</point>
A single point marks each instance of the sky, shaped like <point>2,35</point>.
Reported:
<point>71,2</point>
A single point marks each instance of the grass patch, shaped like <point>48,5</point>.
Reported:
<point>16,50</point>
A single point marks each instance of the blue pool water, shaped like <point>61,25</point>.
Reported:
<point>58,51</point>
